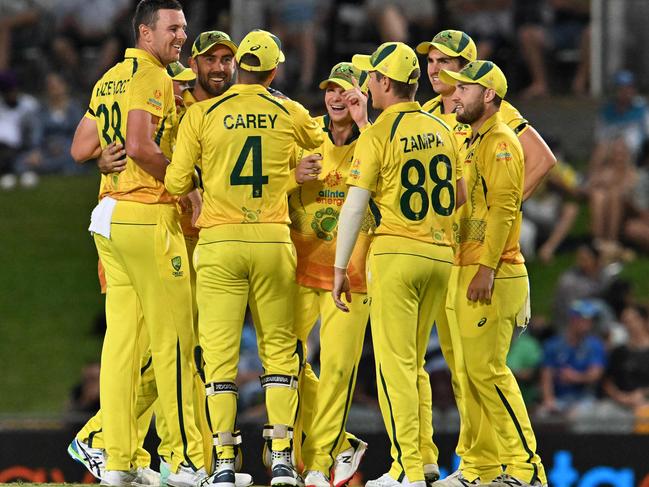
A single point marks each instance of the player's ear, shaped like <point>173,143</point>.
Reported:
<point>145,32</point>
<point>489,95</point>
<point>193,64</point>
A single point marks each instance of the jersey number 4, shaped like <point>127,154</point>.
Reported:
<point>112,120</point>
<point>257,179</point>
<point>441,184</point>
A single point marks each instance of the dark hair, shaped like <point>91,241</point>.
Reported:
<point>463,61</point>
<point>497,100</point>
<point>399,88</point>
<point>146,13</point>
<point>256,77</point>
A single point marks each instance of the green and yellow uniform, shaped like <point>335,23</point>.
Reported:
<point>243,142</point>
<point>314,208</point>
<point>408,161</point>
<point>472,435</point>
<point>146,271</point>
<point>486,233</point>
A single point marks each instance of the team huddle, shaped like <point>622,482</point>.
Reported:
<point>225,194</point>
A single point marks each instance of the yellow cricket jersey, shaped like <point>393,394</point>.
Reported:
<point>139,82</point>
<point>488,225</point>
<point>508,114</point>
<point>314,208</point>
<point>408,160</point>
<point>242,141</point>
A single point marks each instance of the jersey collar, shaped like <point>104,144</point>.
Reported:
<point>405,106</point>
<point>134,52</point>
<point>241,88</point>
<point>326,121</point>
<point>189,98</point>
<point>487,126</point>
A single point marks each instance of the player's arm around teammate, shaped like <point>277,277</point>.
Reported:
<point>488,290</point>
<point>314,206</point>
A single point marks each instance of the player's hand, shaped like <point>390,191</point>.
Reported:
<point>308,168</point>
<point>112,159</point>
<point>356,102</point>
<point>481,285</point>
<point>192,200</point>
<point>341,286</point>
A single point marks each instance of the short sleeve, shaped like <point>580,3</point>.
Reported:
<point>366,163</point>
<point>147,91</point>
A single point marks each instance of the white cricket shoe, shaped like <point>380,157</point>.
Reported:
<point>119,478</point>
<point>505,480</point>
<point>147,476</point>
<point>314,478</point>
<point>456,479</point>
<point>283,471</point>
<point>186,476</point>
<point>384,480</point>
<point>347,462</point>
<point>94,459</point>
<point>431,473</point>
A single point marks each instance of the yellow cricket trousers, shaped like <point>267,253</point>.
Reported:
<point>407,282</point>
<point>147,273</point>
<point>236,265</point>
<point>506,437</point>
<point>325,403</point>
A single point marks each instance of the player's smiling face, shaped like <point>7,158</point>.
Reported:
<point>469,102</point>
<point>168,35</point>
<point>336,107</point>
<point>214,69</point>
<point>437,61</point>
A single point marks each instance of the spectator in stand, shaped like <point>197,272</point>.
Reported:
<point>636,225</point>
<point>611,181</point>
<point>56,122</point>
<point>402,20</point>
<point>556,196</point>
<point>585,279</point>
<point>569,29</point>
<point>488,22</point>
<point>84,397</point>
<point>17,119</point>
<point>573,362</point>
<point>626,115</point>
<point>524,360</point>
<point>15,15</point>
<point>627,377</point>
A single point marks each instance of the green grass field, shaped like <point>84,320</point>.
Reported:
<point>49,295</point>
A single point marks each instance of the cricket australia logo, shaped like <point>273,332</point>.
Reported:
<point>325,224</point>
<point>176,263</point>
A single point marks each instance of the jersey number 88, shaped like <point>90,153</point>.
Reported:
<point>441,184</point>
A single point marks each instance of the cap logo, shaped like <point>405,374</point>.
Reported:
<point>255,47</point>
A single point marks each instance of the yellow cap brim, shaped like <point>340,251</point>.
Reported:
<point>233,47</point>
<point>344,84</point>
<point>282,58</point>
<point>424,47</point>
<point>362,62</point>
<point>185,75</point>
<point>453,78</point>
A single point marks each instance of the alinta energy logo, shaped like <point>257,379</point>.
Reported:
<point>325,224</point>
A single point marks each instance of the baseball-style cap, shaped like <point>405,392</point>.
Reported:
<point>264,46</point>
<point>342,73</point>
<point>454,43</point>
<point>206,40</point>
<point>624,78</point>
<point>392,59</point>
<point>178,72</point>
<point>584,308</point>
<point>484,73</point>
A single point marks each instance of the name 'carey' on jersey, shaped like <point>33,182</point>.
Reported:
<point>250,121</point>
<point>113,87</point>
<point>421,142</point>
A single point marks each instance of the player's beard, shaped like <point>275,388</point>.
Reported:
<point>204,81</point>
<point>471,112</point>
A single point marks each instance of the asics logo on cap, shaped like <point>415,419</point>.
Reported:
<point>254,48</point>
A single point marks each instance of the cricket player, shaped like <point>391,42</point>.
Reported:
<point>139,242</point>
<point>407,162</point>
<point>212,65</point>
<point>452,50</point>
<point>314,207</point>
<point>242,141</point>
<point>489,290</point>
